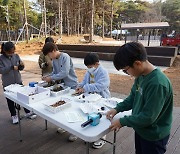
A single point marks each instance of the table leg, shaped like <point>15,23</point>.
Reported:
<point>19,123</point>
<point>45,124</point>
<point>114,143</point>
<point>87,147</point>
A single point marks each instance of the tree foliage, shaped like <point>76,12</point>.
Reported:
<point>171,10</point>
<point>76,14</point>
<point>16,15</point>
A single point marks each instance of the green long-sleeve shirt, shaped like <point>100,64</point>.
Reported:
<point>151,101</point>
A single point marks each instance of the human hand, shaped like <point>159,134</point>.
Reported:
<point>16,68</point>
<point>115,125</point>
<point>21,66</point>
<point>21,63</point>
<point>47,79</point>
<point>110,114</point>
<point>80,90</point>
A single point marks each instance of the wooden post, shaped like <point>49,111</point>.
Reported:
<point>149,36</point>
<point>137,35</point>
<point>125,37</point>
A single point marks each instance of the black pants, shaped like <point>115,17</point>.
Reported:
<point>143,146</point>
<point>12,109</point>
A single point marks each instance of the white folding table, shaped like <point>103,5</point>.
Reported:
<point>88,134</point>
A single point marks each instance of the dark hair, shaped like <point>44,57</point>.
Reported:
<point>91,59</point>
<point>7,47</point>
<point>49,39</point>
<point>49,47</point>
<point>128,53</point>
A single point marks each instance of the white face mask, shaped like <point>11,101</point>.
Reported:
<point>91,70</point>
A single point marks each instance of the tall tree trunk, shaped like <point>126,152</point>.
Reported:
<point>42,24</point>
<point>92,22</point>
<point>45,21</point>
<point>67,16</point>
<point>26,24</point>
<point>75,23</point>
<point>81,27</point>
<point>60,17</point>
<point>103,19</point>
<point>79,16</point>
<point>112,6</point>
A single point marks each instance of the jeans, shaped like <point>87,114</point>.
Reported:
<point>143,146</point>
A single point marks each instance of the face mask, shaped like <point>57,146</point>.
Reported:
<point>91,70</point>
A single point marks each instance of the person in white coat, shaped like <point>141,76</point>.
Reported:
<point>96,80</point>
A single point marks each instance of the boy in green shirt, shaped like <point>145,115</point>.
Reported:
<point>151,101</point>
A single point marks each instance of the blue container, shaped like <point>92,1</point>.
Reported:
<point>32,84</point>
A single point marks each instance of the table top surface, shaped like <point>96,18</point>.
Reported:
<point>88,134</point>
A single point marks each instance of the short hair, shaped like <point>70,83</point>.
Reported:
<point>91,59</point>
<point>7,47</point>
<point>128,53</point>
<point>49,47</point>
<point>49,39</point>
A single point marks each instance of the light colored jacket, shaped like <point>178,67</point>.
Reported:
<point>63,69</point>
<point>9,75</point>
<point>101,82</point>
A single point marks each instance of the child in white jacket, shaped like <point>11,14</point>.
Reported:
<point>96,80</point>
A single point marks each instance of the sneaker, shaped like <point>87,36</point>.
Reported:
<point>60,130</point>
<point>15,119</point>
<point>30,115</point>
<point>98,144</point>
<point>72,138</point>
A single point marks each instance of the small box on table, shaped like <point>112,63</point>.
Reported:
<point>57,106</point>
<point>33,94</point>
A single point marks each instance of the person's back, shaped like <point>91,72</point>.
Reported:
<point>45,63</point>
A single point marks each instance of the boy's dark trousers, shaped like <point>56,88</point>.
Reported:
<point>143,146</point>
<point>11,106</point>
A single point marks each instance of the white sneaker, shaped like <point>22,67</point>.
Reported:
<point>72,138</point>
<point>15,119</point>
<point>98,144</point>
<point>60,130</point>
<point>31,115</point>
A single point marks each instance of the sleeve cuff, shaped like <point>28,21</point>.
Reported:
<point>123,121</point>
<point>86,89</point>
<point>52,77</point>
